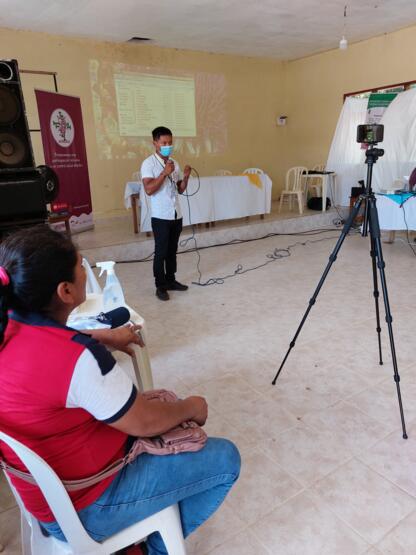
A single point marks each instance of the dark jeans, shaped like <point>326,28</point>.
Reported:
<point>166,234</point>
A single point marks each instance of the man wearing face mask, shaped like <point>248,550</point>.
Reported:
<point>162,181</point>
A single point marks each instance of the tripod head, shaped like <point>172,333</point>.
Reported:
<point>369,135</point>
<point>373,154</point>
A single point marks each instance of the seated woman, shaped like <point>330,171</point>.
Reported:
<point>63,395</point>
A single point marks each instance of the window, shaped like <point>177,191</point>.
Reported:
<point>400,87</point>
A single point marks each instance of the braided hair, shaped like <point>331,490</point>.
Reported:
<point>33,262</point>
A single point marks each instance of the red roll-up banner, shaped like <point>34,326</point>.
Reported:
<point>63,141</point>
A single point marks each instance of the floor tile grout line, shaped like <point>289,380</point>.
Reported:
<point>401,488</point>
<point>328,507</point>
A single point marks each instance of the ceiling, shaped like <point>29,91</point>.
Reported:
<point>281,29</point>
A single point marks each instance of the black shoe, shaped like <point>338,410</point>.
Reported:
<point>162,294</point>
<point>176,286</point>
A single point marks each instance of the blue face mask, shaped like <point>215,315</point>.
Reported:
<point>166,150</point>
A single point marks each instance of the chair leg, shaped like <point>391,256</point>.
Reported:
<point>281,203</point>
<point>25,535</point>
<point>134,212</point>
<point>171,532</point>
<point>300,202</point>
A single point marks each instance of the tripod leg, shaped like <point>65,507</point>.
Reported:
<point>375,234</point>
<point>376,295</point>
<point>332,258</point>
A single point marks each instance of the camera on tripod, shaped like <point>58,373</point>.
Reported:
<point>370,134</point>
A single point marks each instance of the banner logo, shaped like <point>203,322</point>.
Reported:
<point>62,127</point>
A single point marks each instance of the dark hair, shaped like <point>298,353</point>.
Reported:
<point>37,260</point>
<point>159,131</point>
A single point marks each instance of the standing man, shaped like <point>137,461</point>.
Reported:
<point>162,181</point>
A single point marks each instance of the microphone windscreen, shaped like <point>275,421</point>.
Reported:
<point>118,316</point>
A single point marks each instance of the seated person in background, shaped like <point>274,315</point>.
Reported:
<point>412,180</point>
<point>63,395</point>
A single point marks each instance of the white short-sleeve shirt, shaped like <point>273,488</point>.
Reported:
<point>165,202</point>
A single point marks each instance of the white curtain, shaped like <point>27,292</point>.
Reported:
<point>346,157</point>
<point>399,143</point>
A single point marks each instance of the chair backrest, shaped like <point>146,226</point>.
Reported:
<point>254,170</point>
<point>55,495</point>
<point>92,285</point>
<point>296,178</point>
<point>223,172</point>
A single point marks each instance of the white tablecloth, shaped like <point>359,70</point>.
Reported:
<point>219,198</point>
<point>131,188</point>
<point>392,216</point>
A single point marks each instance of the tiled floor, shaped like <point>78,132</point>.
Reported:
<point>324,468</point>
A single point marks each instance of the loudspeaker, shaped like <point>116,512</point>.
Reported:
<point>50,183</point>
<point>15,144</point>
<point>22,198</point>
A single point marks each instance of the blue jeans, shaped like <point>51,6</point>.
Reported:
<point>197,481</point>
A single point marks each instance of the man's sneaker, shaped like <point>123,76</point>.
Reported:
<point>176,286</point>
<point>162,294</point>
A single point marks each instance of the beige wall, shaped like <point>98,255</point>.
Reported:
<point>309,91</point>
<point>254,94</point>
<point>315,87</point>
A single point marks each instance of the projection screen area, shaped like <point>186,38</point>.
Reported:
<point>129,101</point>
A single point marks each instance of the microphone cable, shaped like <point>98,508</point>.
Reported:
<point>184,242</point>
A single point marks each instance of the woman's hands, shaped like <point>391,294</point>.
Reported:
<point>200,409</point>
<point>120,338</point>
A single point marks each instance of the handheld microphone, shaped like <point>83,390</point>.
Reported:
<point>115,318</point>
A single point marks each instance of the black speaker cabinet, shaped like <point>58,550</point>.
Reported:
<point>22,198</point>
<point>15,144</point>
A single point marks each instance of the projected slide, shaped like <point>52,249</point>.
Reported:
<point>129,101</point>
<point>145,100</point>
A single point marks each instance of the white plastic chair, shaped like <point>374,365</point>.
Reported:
<point>219,173</point>
<point>295,186</point>
<point>254,170</point>
<point>167,522</point>
<point>316,183</point>
<point>92,285</point>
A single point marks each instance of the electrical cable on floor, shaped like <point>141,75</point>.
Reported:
<point>184,242</point>
<point>311,232</point>
<point>277,254</point>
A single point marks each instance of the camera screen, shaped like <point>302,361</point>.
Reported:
<point>370,134</point>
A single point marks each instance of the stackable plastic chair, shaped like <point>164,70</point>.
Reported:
<point>167,522</point>
<point>220,173</point>
<point>254,170</point>
<point>295,186</point>
<point>316,183</point>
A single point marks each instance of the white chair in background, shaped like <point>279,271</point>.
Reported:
<point>132,198</point>
<point>167,522</point>
<point>316,183</point>
<point>220,173</point>
<point>295,186</point>
<point>254,170</point>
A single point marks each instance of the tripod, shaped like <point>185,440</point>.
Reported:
<point>371,225</point>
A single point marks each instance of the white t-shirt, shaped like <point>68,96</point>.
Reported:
<point>100,386</point>
<point>165,202</point>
